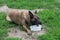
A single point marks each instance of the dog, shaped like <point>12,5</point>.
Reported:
<point>24,18</point>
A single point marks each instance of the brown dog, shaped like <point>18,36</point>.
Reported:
<point>23,17</point>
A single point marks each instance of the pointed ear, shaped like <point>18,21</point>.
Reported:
<point>31,15</point>
<point>35,11</point>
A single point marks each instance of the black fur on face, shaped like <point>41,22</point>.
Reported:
<point>34,19</point>
<point>31,15</point>
<point>36,22</point>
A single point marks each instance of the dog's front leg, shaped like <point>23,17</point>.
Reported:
<point>24,26</point>
<point>29,32</point>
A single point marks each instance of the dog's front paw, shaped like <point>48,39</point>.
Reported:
<point>29,33</point>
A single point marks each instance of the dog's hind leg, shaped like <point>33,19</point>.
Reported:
<point>8,19</point>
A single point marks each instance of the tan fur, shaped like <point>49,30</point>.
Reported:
<point>19,17</point>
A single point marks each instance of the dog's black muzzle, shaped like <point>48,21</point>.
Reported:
<point>36,22</point>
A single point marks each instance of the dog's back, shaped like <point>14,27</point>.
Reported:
<point>18,15</point>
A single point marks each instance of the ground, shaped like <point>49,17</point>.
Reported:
<point>50,18</point>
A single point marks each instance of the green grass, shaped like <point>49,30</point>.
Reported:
<point>50,18</point>
<point>12,39</point>
<point>4,25</point>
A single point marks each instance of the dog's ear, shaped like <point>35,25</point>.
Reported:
<point>35,11</point>
<point>31,15</point>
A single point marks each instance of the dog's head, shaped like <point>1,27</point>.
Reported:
<point>34,19</point>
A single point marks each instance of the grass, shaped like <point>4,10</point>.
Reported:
<point>4,25</point>
<point>50,18</point>
<point>12,39</point>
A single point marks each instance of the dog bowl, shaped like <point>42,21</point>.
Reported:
<point>36,28</point>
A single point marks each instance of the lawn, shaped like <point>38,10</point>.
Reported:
<point>50,18</point>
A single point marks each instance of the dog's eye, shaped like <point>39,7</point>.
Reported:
<point>32,19</point>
